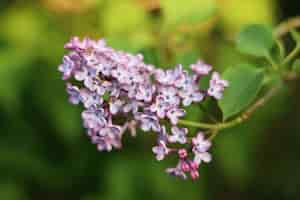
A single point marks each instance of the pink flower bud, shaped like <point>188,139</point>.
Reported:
<point>193,165</point>
<point>182,153</point>
<point>185,166</point>
<point>194,174</point>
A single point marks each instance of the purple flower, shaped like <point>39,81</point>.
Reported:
<point>174,113</point>
<point>179,135</point>
<point>114,88</point>
<point>105,68</point>
<point>145,92</point>
<point>217,86</point>
<point>115,106</point>
<point>74,94</point>
<point>160,107</point>
<point>199,157</point>
<point>189,96</point>
<point>169,95</point>
<point>75,43</point>
<point>165,77</point>
<point>200,68</point>
<point>119,88</point>
<point>107,143</point>
<point>67,67</point>
<point>88,76</point>
<point>133,75</point>
<point>97,87</point>
<point>110,130</point>
<point>184,81</point>
<point>161,150</point>
<point>91,60</point>
<point>163,135</point>
<point>121,74</point>
<point>148,122</point>
<point>200,148</point>
<point>177,171</point>
<point>131,106</point>
<point>94,118</point>
<point>80,74</point>
<point>90,99</point>
<point>99,45</point>
<point>200,144</point>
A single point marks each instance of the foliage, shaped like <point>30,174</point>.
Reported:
<point>245,82</point>
<point>255,40</point>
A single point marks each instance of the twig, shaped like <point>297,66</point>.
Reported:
<point>243,117</point>
<point>292,55</point>
<point>283,28</point>
<point>271,61</point>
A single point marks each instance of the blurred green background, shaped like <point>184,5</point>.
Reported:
<point>44,152</point>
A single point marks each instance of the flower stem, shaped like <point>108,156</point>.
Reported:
<point>197,124</point>
<point>243,117</point>
<point>271,61</point>
<point>292,55</point>
<point>281,48</point>
<point>286,26</point>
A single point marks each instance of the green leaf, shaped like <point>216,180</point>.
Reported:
<point>187,12</point>
<point>296,66</point>
<point>245,81</point>
<point>193,113</point>
<point>256,40</point>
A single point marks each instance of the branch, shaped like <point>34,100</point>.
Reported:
<point>243,117</point>
<point>283,28</point>
<point>292,55</point>
<point>249,112</point>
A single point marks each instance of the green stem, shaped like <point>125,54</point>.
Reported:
<point>271,61</point>
<point>286,26</point>
<point>197,124</point>
<point>292,55</point>
<point>243,117</point>
<point>281,48</point>
<point>217,126</point>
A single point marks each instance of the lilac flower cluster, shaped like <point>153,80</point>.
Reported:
<point>120,92</point>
